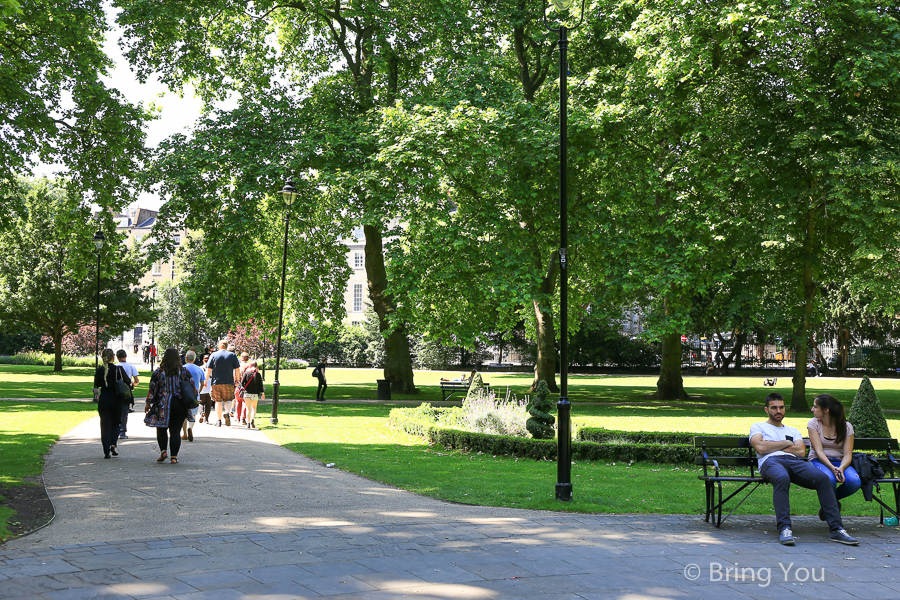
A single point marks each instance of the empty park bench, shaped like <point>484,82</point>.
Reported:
<point>448,388</point>
<point>742,458</point>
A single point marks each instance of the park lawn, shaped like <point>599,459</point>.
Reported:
<point>21,381</point>
<point>26,433</point>
<point>357,438</point>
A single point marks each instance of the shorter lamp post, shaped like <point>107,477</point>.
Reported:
<point>153,337</point>
<point>99,239</point>
<point>288,194</point>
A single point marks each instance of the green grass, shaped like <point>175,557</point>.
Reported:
<point>356,438</point>
<point>20,381</point>
<point>26,433</point>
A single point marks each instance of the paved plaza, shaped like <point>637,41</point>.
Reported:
<point>241,517</point>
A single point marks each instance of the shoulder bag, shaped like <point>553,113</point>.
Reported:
<point>123,390</point>
<point>188,392</point>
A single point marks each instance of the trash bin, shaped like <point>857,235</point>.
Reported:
<point>384,389</point>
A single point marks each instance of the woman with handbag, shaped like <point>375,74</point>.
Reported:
<point>109,402</point>
<point>166,405</point>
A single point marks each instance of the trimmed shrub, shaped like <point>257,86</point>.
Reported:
<point>287,364</point>
<point>540,425</point>
<point>867,414</point>
<point>475,387</point>
<point>603,436</point>
<point>421,422</point>
<point>46,360</point>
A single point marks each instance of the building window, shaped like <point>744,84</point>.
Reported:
<point>177,239</point>
<point>359,260</point>
<point>355,323</point>
<point>157,268</point>
<point>357,297</point>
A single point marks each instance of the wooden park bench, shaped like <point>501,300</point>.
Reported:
<point>448,388</point>
<point>743,460</point>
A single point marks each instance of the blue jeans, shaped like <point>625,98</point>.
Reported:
<point>851,483</point>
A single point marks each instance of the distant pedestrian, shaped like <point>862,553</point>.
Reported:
<point>153,353</point>
<point>109,406</point>
<point>136,344</point>
<point>146,349</point>
<point>319,373</point>
<point>224,371</point>
<point>164,407</point>
<point>239,408</point>
<point>254,391</point>
<point>132,377</point>
<point>199,377</point>
<point>205,397</point>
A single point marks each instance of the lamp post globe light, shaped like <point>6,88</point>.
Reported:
<point>99,239</point>
<point>288,194</point>
<point>563,406</point>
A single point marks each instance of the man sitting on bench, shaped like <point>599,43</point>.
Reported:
<point>779,452</point>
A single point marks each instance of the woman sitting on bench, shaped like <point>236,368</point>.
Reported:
<point>831,445</point>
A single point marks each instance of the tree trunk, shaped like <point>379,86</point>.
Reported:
<point>397,361</point>
<point>798,393</point>
<point>545,366</point>
<point>57,351</point>
<point>670,385</point>
<point>739,340</point>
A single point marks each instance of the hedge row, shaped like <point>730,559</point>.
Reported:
<point>414,422</point>
<point>602,436</point>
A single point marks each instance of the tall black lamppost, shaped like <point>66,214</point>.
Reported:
<point>265,278</point>
<point>288,194</point>
<point>98,244</point>
<point>563,406</point>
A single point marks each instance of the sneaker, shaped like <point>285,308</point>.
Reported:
<point>190,435</point>
<point>841,537</point>
<point>218,423</point>
<point>252,423</point>
<point>227,420</point>
<point>243,421</point>
<point>201,418</point>
<point>113,451</point>
<point>786,537</point>
<point>123,437</point>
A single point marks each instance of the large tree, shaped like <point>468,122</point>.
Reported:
<point>48,280</point>
<point>340,60</point>
<point>56,107</point>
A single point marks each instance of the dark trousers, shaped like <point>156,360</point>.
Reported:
<point>782,471</point>
<point>123,427</point>
<point>207,403</point>
<point>110,417</point>
<point>320,391</point>
<point>171,436</point>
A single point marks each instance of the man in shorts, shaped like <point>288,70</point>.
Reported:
<point>223,370</point>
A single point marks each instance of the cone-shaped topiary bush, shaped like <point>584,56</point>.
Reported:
<point>866,414</point>
<point>540,424</point>
<point>475,387</point>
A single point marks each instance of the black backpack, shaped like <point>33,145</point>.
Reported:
<point>315,372</point>
<point>869,470</point>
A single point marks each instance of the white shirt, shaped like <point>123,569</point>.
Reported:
<point>771,433</point>
<point>130,370</point>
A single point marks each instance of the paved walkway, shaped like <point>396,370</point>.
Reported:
<point>241,517</point>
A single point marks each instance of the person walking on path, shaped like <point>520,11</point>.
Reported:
<point>146,349</point>
<point>239,408</point>
<point>199,377</point>
<point>319,373</point>
<point>109,406</point>
<point>831,446</point>
<point>132,377</point>
<point>223,371</point>
<point>164,408</point>
<point>252,385</point>
<point>205,398</point>
<point>780,451</point>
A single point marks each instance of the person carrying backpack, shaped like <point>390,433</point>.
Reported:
<point>254,390</point>
<point>319,373</point>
